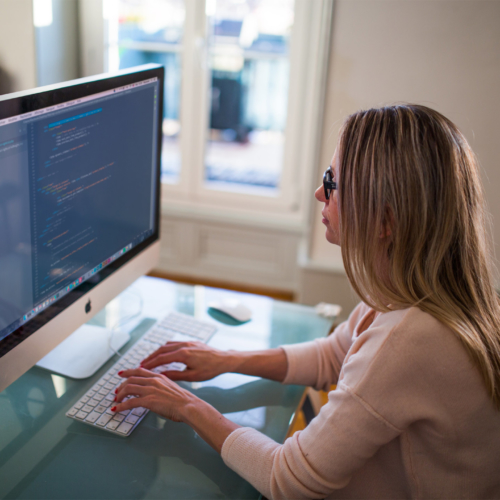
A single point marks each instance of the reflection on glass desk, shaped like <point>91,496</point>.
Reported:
<point>44,454</point>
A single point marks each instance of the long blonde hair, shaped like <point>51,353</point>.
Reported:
<point>409,169</point>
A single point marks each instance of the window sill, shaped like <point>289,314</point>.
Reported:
<point>291,223</point>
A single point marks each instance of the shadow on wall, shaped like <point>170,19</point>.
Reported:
<point>6,83</point>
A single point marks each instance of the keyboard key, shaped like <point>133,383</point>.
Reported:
<point>98,397</point>
<point>118,417</point>
<point>106,403</point>
<point>73,411</point>
<point>85,399</point>
<point>100,409</point>
<point>87,408</point>
<point>79,405</point>
<point>124,428</point>
<point>93,417</point>
<point>132,419</point>
<point>110,396</point>
<point>93,402</point>
<point>109,386</point>
<point>139,411</point>
<point>90,394</point>
<point>103,391</point>
<point>81,415</point>
<point>112,425</point>
<point>103,420</point>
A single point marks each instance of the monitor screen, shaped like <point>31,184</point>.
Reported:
<point>79,192</point>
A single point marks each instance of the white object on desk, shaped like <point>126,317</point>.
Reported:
<point>233,308</point>
<point>328,310</point>
<point>84,351</point>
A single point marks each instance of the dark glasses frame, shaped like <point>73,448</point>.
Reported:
<point>328,184</point>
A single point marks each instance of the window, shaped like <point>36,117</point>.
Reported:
<point>243,92</point>
<point>248,56</point>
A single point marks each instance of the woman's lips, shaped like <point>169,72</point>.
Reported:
<point>325,220</point>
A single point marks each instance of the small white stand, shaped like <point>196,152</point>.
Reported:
<point>84,351</point>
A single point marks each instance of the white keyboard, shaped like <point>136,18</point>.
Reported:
<point>94,408</point>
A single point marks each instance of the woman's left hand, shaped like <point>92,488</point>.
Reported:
<point>154,392</point>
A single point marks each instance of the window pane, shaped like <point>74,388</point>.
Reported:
<point>249,59</point>
<point>151,20</point>
<point>150,31</point>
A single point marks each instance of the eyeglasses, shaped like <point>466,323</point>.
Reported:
<point>328,184</point>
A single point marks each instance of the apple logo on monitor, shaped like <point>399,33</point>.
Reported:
<point>88,307</point>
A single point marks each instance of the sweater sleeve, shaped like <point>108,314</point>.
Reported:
<point>318,363</point>
<point>316,461</point>
<point>347,432</point>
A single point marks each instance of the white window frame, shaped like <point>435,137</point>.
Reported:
<point>309,50</point>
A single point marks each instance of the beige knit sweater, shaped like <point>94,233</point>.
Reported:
<point>410,418</point>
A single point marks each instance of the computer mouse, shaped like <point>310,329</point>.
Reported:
<point>233,308</point>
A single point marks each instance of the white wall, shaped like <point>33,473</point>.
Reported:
<point>444,54</point>
<point>17,42</point>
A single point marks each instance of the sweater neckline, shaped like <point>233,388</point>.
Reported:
<point>366,321</point>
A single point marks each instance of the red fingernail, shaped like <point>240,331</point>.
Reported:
<point>114,408</point>
<point>114,399</point>
<point>116,391</point>
<point>120,372</point>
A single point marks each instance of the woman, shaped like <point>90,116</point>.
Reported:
<point>417,364</point>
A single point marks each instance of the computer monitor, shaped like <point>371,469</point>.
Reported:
<point>79,205</point>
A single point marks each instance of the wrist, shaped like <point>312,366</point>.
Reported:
<point>192,410</point>
<point>233,361</point>
<point>208,423</point>
<point>189,408</point>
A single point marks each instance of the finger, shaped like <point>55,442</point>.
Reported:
<point>163,359</point>
<point>152,360</point>
<point>138,372</point>
<point>186,375</point>
<point>132,390</point>
<point>168,347</point>
<point>135,381</point>
<point>129,405</point>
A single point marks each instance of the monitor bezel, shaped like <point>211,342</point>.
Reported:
<point>33,100</point>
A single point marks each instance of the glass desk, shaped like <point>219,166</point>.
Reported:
<point>44,454</point>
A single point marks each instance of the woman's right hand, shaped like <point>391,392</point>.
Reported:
<point>202,362</point>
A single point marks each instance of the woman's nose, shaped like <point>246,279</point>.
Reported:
<point>319,194</point>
